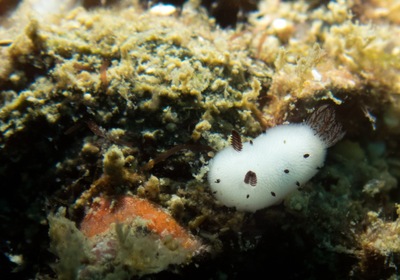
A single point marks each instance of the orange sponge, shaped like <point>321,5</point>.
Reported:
<point>105,212</point>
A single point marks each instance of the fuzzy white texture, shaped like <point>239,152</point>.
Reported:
<point>282,159</point>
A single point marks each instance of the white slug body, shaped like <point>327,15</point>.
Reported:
<point>262,172</point>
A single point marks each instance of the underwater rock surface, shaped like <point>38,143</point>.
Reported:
<point>117,101</point>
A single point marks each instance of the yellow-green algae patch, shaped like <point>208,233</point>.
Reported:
<point>152,63</point>
<point>382,237</point>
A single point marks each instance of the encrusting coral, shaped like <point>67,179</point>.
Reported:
<point>125,106</point>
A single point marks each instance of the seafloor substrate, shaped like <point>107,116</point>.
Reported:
<point>122,103</point>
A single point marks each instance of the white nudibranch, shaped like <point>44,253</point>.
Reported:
<point>260,173</point>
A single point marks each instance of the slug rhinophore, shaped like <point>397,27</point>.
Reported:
<point>259,173</point>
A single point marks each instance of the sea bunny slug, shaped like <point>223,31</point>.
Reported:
<point>260,173</point>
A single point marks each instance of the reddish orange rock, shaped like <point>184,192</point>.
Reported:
<point>104,212</point>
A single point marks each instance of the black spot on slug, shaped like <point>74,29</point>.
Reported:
<point>247,196</point>
<point>217,181</point>
<point>214,192</point>
<point>297,183</point>
<point>250,178</point>
<point>286,171</point>
<point>306,155</point>
<point>251,142</point>
<point>273,194</point>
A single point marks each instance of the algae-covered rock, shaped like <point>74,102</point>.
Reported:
<point>114,99</point>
